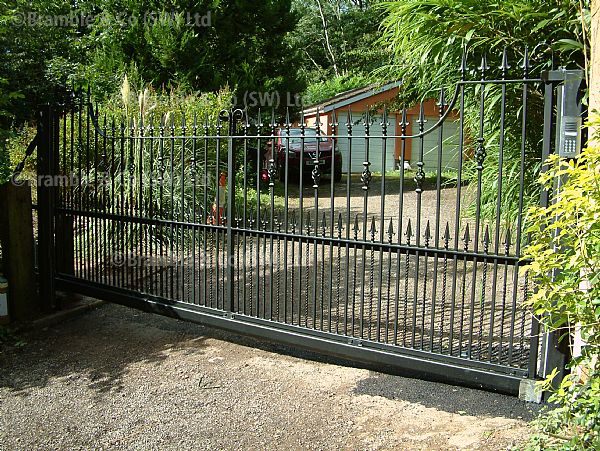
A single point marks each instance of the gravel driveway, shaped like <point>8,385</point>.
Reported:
<point>118,378</point>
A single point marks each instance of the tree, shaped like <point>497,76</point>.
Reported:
<point>428,38</point>
<point>239,43</point>
<point>337,38</point>
<point>37,59</point>
<point>201,45</point>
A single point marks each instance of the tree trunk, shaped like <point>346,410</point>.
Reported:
<point>327,44</point>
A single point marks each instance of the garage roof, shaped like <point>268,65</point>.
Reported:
<point>349,97</point>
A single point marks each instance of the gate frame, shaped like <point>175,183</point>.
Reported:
<point>410,362</point>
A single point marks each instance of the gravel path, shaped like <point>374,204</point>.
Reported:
<point>115,378</point>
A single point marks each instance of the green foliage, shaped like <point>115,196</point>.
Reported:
<point>37,60</point>
<point>243,45</point>
<point>427,39</point>
<point>150,178</point>
<point>239,44</point>
<point>575,213</point>
<point>6,100</point>
<point>5,169</point>
<point>574,422</point>
<point>317,92</point>
<point>353,31</point>
<point>171,186</point>
<point>12,152</point>
<point>565,253</point>
<point>503,147</point>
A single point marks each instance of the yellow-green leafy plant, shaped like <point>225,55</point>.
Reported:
<point>565,266</point>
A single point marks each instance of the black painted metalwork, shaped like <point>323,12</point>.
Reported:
<point>210,220</point>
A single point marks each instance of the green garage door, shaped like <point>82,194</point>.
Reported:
<point>450,147</point>
<point>359,144</point>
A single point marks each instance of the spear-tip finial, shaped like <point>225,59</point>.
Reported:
<point>467,237</point>
<point>486,237</point>
<point>526,63</point>
<point>446,235</point>
<point>333,124</point>
<point>404,121</point>
<point>507,241</point>
<point>288,123</point>
<point>349,120</point>
<point>273,122</point>
<point>442,102</point>
<point>421,120</point>
<point>484,66</point>
<point>372,229</point>
<point>463,64</point>
<point>409,232</point>
<point>427,234</point>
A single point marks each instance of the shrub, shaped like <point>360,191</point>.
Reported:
<point>427,39</point>
<point>172,186</point>
<point>109,168</point>
<point>565,253</point>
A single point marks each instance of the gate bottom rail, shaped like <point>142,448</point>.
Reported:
<point>405,362</point>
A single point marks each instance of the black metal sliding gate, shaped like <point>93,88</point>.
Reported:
<point>215,220</point>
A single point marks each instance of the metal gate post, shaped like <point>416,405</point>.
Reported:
<point>231,207</point>
<point>535,366</point>
<point>48,129</point>
<point>555,352</point>
<point>537,360</point>
<point>534,343</point>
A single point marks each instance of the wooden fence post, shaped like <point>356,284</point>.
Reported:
<point>16,236</point>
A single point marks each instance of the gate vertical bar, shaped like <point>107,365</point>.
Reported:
<point>46,166</point>
<point>230,214</point>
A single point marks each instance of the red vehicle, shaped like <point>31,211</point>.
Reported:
<point>297,145</point>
